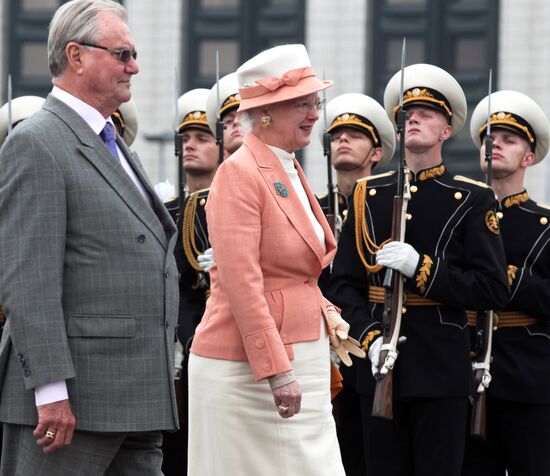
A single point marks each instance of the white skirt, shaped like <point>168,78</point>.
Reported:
<point>235,429</point>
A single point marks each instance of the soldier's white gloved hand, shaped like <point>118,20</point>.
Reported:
<point>374,354</point>
<point>165,190</point>
<point>340,341</point>
<point>399,256</point>
<point>206,260</point>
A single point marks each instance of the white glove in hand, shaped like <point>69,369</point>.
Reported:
<point>206,260</point>
<point>399,256</point>
<point>340,342</point>
<point>374,354</point>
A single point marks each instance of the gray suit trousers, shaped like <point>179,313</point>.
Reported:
<point>90,454</point>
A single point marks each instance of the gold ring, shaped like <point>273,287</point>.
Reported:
<point>283,409</point>
<point>50,435</point>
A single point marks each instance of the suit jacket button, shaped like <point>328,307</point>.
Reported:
<point>267,367</point>
<point>260,344</point>
<point>141,239</point>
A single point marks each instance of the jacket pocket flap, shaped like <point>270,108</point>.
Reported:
<point>101,326</point>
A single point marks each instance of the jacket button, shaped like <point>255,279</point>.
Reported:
<point>260,344</point>
<point>141,239</point>
<point>267,367</point>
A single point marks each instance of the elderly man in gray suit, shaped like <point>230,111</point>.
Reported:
<point>88,280</point>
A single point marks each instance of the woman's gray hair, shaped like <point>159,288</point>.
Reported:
<point>248,121</point>
<point>76,21</point>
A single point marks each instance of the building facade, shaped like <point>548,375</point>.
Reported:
<point>357,43</point>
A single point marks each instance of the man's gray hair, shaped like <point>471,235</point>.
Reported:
<point>77,21</point>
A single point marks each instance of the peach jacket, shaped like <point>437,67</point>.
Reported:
<point>268,258</point>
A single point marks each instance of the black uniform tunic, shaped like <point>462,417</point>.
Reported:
<point>518,405</point>
<point>452,224</point>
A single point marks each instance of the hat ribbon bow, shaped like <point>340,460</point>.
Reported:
<point>272,83</point>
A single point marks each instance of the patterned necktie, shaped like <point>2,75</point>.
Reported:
<point>108,136</point>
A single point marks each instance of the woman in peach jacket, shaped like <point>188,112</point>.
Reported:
<point>259,370</point>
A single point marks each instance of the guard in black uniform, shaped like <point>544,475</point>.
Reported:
<point>452,258</point>
<point>193,252</point>
<point>200,163</point>
<point>518,398</point>
<point>362,136</point>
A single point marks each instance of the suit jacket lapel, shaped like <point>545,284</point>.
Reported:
<point>158,206</point>
<point>272,171</point>
<point>93,149</point>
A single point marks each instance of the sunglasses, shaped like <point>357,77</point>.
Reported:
<point>123,55</point>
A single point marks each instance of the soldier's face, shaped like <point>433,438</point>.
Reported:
<point>351,149</point>
<point>425,128</point>
<point>232,137</point>
<point>105,79</point>
<point>511,153</point>
<point>200,152</point>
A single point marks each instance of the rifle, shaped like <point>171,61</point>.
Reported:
<point>483,340</point>
<point>393,281</point>
<point>219,124</point>
<point>178,152</point>
<point>332,214</point>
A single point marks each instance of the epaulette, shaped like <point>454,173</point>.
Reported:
<point>371,177</point>
<point>200,193</point>
<point>461,178</point>
<point>543,205</point>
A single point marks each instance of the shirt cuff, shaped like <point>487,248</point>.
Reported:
<point>50,393</point>
<point>279,380</point>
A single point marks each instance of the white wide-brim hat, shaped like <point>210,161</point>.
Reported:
<point>515,112</point>
<point>278,74</point>
<point>365,114</point>
<point>126,121</point>
<point>21,108</point>
<point>228,100</point>
<point>427,85</point>
<point>192,109</point>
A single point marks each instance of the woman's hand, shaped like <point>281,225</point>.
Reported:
<point>288,399</point>
<point>340,342</point>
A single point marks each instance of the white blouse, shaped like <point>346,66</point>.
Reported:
<point>287,160</point>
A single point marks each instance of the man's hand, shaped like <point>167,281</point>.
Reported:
<point>55,427</point>
<point>206,260</point>
<point>399,256</point>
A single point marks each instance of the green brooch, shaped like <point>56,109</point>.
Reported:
<point>281,189</point>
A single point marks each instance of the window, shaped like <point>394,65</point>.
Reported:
<point>238,29</point>
<point>459,36</point>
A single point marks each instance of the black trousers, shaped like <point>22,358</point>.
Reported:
<point>518,441</point>
<point>347,415</point>
<point>174,444</point>
<point>425,437</point>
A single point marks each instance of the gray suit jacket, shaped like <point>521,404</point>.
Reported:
<point>87,279</point>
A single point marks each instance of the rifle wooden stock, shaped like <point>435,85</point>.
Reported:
<point>383,394</point>
<point>478,421</point>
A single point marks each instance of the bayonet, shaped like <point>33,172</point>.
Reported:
<point>10,97</point>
